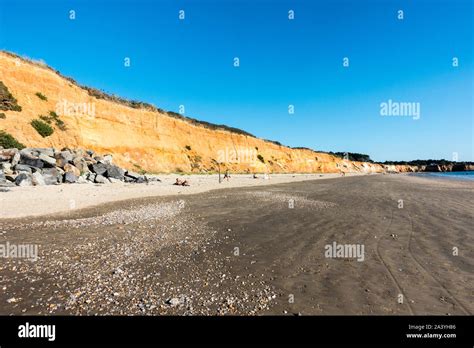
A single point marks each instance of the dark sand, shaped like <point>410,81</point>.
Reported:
<point>177,255</point>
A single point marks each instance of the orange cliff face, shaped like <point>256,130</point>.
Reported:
<point>140,138</point>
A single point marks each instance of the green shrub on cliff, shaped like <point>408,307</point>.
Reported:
<point>41,96</point>
<point>54,117</point>
<point>7,101</point>
<point>44,129</point>
<point>7,141</point>
<point>61,125</point>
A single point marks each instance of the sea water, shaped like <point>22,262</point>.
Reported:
<point>466,175</point>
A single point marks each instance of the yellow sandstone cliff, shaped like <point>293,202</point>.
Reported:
<point>142,138</point>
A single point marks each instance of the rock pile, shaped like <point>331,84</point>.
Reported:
<point>35,166</point>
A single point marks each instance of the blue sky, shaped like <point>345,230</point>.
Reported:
<point>282,62</point>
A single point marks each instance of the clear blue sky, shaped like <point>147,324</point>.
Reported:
<point>282,62</point>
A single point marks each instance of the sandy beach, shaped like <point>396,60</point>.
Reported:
<point>19,202</point>
<point>250,250</point>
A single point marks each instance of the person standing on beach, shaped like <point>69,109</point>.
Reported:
<point>227,175</point>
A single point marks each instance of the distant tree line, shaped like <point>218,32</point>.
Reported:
<point>352,156</point>
<point>427,162</point>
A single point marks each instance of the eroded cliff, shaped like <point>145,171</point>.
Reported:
<point>143,138</point>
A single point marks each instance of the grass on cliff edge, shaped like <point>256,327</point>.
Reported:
<point>7,141</point>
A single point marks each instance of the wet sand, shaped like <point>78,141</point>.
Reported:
<point>253,250</point>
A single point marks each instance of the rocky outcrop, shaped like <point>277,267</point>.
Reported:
<point>451,167</point>
<point>461,167</point>
<point>48,166</point>
<point>435,168</point>
<point>392,168</point>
